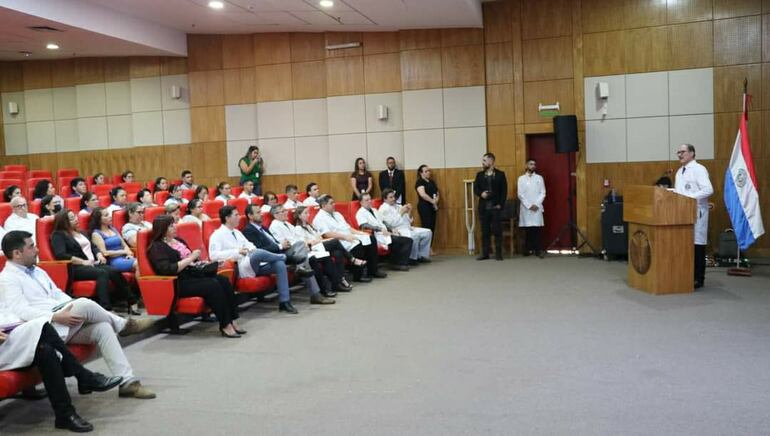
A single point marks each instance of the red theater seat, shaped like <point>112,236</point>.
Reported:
<point>211,208</point>
<point>31,182</point>
<point>240,204</point>
<point>160,197</point>
<point>21,175</point>
<point>34,206</point>
<point>151,212</point>
<point>4,183</point>
<point>131,188</point>
<point>119,218</point>
<point>12,382</point>
<point>5,211</point>
<point>105,200</point>
<point>72,203</point>
<point>102,189</point>
<point>40,173</point>
<point>67,172</point>
<point>16,167</point>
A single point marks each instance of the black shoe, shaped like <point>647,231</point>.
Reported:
<point>380,275</point>
<point>499,257</point>
<point>98,383</point>
<point>413,262</point>
<point>229,336</point>
<point>74,423</point>
<point>320,299</point>
<point>304,272</point>
<point>330,294</point>
<point>342,287</point>
<point>527,253</point>
<point>483,257</point>
<point>424,260</point>
<point>541,254</point>
<point>400,267</point>
<point>287,307</point>
<point>363,279</point>
<point>698,285</point>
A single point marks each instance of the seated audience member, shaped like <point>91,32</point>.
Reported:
<point>399,220</point>
<point>202,193</point>
<point>170,256</point>
<point>135,223</point>
<point>10,193</point>
<point>195,213</point>
<point>99,179</point>
<point>318,261</point>
<point>119,199</point>
<point>127,177</point>
<point>175,195</point>
<point>88,202</point>
<point>174,211</point>
<point>108,241</point>
<point>305,230</point>
<point>30,294</point>
<point>664,182</point>
<point>360,244</point>
<point>369,218</point>
<point>43,188</point>
<point>68,243</point>
<point>161,184</point>
<point>187,180</point>
<point>145,197</point>
<point>36,343</point>
<point>248,191</point>
<point>269,200</point>
<point>228,243</point>
<point>291,197</point>
<point>49,206</point>
<point>312,195</point>
<point>223,192</point>
<point>78,187</point>
<point>21,219</point>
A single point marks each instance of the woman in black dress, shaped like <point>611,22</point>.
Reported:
<point>360,179</point>
<point>427,191</point>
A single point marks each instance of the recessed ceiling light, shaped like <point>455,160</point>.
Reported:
<point>326,3</point>
<point>216,4</point>
<point>52,46</point>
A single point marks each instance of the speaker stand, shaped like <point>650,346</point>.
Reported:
<point>571,226</point>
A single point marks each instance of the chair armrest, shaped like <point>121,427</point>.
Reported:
<point>158,293</point>
<point>58,270</point>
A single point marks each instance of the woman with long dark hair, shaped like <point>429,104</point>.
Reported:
<point>252,167</point>
<point>88,202</point>
<point>161,184</point>
<point>109,242</point>
<point>360,179</point>
<point>170,256</point>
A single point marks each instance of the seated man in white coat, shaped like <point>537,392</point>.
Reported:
<point>21,219</point>
<point>30,293</point>
<point>313,192</point>
<point>292,192</point>
<point>368,218</point>
<point>36,343</point>
<point>531,191</point>
<point>399,220</point>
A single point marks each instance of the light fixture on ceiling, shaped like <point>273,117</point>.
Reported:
<point>216,4</point>
<point>25,53</point>
<point>52,46</point>
<point>326,3</point>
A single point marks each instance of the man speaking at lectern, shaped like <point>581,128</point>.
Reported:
<point>692,180</point>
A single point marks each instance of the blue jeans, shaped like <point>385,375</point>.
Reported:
<point>276,264</point>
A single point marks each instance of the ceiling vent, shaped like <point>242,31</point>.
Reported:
<point>43,29</point>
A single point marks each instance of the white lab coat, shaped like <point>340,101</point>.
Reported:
<point>326,222</point>
<point>225,244</point>
<point>19,347</point>
<point>283,231</point>
<point>692,180</point>
<point>531,190</point>
<point>392,217</point>
<point>373,218</point>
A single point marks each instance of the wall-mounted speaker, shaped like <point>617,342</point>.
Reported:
<point>565,133</point>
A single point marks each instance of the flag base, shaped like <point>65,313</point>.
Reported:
<point>743,272</point>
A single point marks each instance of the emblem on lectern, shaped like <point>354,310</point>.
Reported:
<point>639,252</point>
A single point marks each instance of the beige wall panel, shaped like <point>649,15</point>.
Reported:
<point>728,87</point>
<point>144,66</point>
<point>415,39</point>
<point>204,52</point>
<point>274,82</point>
<point>736,8</point>
<point>421,69</point>
<point>738,40</point>
<point>604,53</point>
<point>37,74</point>
<point>644,13</point>
<point>170,66</point>
<point>237,51</point>
<point>118,69</point>
<point>308,80</point>
<point>647,49</point>
<point>381,42</point>
<point>345,76</point>
<point>546,19</point>
<point>307,47</point>
<point>463,66</point>
<point>497,22</point>
<point>272,48</point>
<point>685,11</point>
<point>499,63</point>
<point>333,38</point>
<point>691,45</point>
<point>63,73</point>
<point>500,104</point>
<point>456,37</point>
<point>382,73</point>
<point>547,59</point>
<point>602,15</point>
<point>548,92</point>
<point>501,141</point>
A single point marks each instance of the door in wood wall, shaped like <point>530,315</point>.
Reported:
<point>555,169</point>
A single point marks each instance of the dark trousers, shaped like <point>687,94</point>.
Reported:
<point>700,263</point>
<point>53,371</point>
<point>104,275</point>
<point>216,292</point>
<point>326,272</point>
<point>369,254</point>
<point>490,224</point>
<point>532,239</point>
<point>427,216</point>
<point>338,256</point>
<point>400,249</point>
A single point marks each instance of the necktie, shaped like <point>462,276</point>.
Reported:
<point>683,170</point>
<point>390,175</point>
<point>234,237</point>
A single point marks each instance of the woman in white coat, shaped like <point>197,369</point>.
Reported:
<point>531,192</point>
<point>36,342</point>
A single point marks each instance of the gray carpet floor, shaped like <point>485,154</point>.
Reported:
<point>559,346</point>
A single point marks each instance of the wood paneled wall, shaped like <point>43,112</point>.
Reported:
<point>529,51</point>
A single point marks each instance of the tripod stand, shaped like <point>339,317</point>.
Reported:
<point>571,226</point>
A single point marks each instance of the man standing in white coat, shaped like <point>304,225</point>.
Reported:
<point>692,180</point>
<point>531,189</point>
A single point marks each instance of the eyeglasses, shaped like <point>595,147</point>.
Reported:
<point>681,152</point>
<point>20,206</point>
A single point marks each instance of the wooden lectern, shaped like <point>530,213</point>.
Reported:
<point>660,239</point>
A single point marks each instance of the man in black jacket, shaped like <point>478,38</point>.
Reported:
<point>491,187</point>
<point>393,178</point>
<point>262,238</point>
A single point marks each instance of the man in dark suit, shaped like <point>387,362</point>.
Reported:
<point>491,187</point>
<point>393,178</point>
<point>261,238</point>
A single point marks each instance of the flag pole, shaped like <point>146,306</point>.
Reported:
<point>738,271</point>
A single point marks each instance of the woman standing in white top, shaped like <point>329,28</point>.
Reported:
<point>195,213</point>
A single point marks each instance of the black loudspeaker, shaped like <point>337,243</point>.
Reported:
<point>565,133</point>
